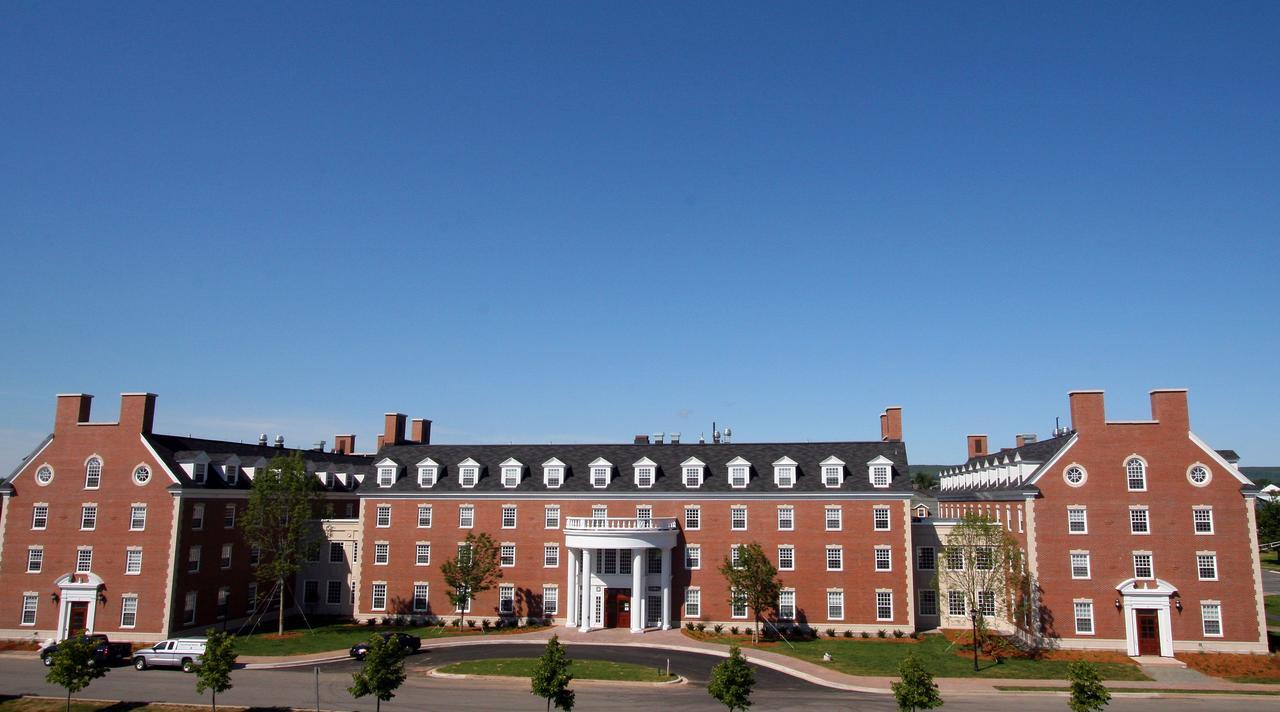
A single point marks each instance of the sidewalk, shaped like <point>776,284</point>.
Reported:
<point>803,669</point>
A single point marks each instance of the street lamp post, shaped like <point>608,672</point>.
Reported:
<point>973,616</point>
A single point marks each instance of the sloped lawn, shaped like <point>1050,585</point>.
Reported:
<point>341,636</point>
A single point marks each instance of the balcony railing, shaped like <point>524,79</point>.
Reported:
<point>618,524</point>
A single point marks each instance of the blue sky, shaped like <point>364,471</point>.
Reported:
<point>581,221</point>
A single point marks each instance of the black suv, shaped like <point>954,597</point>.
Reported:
<point>408,643</point>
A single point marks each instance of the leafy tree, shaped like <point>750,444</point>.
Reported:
<point>213,673</point>
<point>474,570</point>
<point>282,502</point>
<point>1268,513</point>
<point>979,557</point>
<point>551,676</point>
<point>1087,692</point>
<point>753,580</point>
<point>921,480</point>
<point>73,666</point>
<point>732,680</point>
<point>382,671</point>
<point>916,690</point>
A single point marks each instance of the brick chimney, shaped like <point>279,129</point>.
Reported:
<point>891,424</point>
<point>421,431</point>
<point>72,409</point>
<point>381,441</point>
<point>393,429</point>
<point>1088,412</point>
<point>1025,439</point>
<point>137,411</point>
<point>344,444</point>
<point>977,446</point>
<point>1169,407</point>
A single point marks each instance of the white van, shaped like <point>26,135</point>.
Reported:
<point>177,652</point>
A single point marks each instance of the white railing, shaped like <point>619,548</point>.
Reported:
<point>621,523</point>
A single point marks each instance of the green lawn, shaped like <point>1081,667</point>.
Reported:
<point>1271,560</point>
<point>1157,690</point>
<point>580,669</point>
<point>881,657</point>
<point>1273,604</point>
<point>340,636</point>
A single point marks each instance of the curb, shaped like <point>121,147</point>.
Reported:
<point>680,679</point>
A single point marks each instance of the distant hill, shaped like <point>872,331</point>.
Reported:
<point>931,469</point>
<point>1261,476</point>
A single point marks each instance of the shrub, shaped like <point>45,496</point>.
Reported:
<point>688,625</point>
<point>733,629</point>
<point>848,634</point>
<point>881,633</point>
<point>831,632</point>
<point>486,624</point>
<point>369,621</point>
<point>865,635</point>
<point>718,628</point>
<point>915,635</point>
<point>471,623</point>
<point>702,627</point>
<point>898,634</point>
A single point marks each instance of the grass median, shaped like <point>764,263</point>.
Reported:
<point>580,669</point>
<point>341,636</point>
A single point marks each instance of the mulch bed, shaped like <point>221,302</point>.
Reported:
<point>1262,667</point>
<point>19,645</point>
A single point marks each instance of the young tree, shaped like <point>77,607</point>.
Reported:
<point>73,666</point>
<point>213,672</point>
<point>984,561</point>
<point>1087,692</point>
<point>916,690</point>
<point>282,502</point>
<point>382,671</point>
<point>474,570</point>
<point>551,676</point>
<point>732,680</point>
<point>753,580</point>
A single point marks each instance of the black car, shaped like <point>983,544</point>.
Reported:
<point>408,643</point>
<point>104,651</point>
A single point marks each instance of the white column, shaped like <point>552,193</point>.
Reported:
<point>666,588</point>
<point>571,591</point>
<point>637,590</point>
<point>586,609</point>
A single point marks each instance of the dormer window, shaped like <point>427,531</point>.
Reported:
<point>692,472</point>
<point>231,473</point>
<point>645,469</point>
<point>739,473</point>
<point>468,473</point>
<point>327,479</point>
<point>428,473</point>
<point>552,473</point>
<point>832,471</point>
<point>511,470</point>
<point>387,473</point>
<point>878,470</point>
<point>200,472</point>
<point>601,470</point>
<point>784,473</point>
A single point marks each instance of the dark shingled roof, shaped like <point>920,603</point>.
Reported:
<point>668,459</point>
<point>1039,451</point>
<point>173,449</point>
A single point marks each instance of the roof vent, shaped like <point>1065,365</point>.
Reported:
<point>658,438</point>
<point>262,440</point>
<point>279,441</point>
<point>728,434</point>
<point>319,447</point>
<point>675,438</point>
<point>702,438</point>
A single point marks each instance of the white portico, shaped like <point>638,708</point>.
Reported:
<point>619,572</point>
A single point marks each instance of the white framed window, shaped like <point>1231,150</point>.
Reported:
<point>926,558</point>
<point>553,476</point>
<point>551,517</point>
<point>835,605</point>
<point>983,558</point>
<point>550,556</point>
<point>1202,519</point>
<point>88,517</point>
<point>884,605</point>
<point>1077,520</point>
<point>1075,474</point>
<point>508,516</point>
<point>644,471</point>
<point>1207,565</point>
<point>784,473</point>
<point>692,518</point>
<point>332,593</point>
<point>739,475</point>
<point>468,473</point>
<point>229,517</point>
<point>337,553</point>
<point>1084,617</point>
<point>428,473</point>
<point>93,473</point>
<point>693,557</point>
<point>422,553</point>
<point>386,478</point>
<point>884,558</point>
<point>1143,565</point>
<point>199,472</point>
<point>737,604</point>
<point>193,559</point>
<point>880,519</point>
<point>381,553</point>
<point>507,598</point>
<point>231,473</point>
<point>787,604</point>
<point>601,472</point>
<point>692,476</point>
<point>734,550</point>
<point>1080,565</point>
<point>955,603</point>
<point>189,608</point>
<point>84,559</point>
<point>141,475</point>
<point>786,557</point>
<point>197,516</point>
<point>955,558</point>
<point>1139,520</point>
<point>1199,474</point>
<point>835,557</point>
<point>128,611</point>
<point>878,471</point>
<point>39,516</point>
<point>832,475</point>
<point>44,475</point>
<point>1211,619</point>
<point>692,603</point>
<point>833,517</point>
<point>511,471</point>
<point>987,603</point>
<point>928,602</point>
<point>383,516</point>
<point>35,559</point>
<point>466,516</point>
<point>378,600</point>
<point>420,592</point>
<point>599,512</point>
<point>507,554</point>
<point>465,607</point>
<point>786,518</point>
<point>424,516</point>
<point>738,518</point>
<point>133,561</point>
<point>644,516</point>
<point>29,603</point>
<point>1135,470</point>
<point>225,559</point>
<point>550,599</point>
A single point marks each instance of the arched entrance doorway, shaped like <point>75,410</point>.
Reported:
<point>1147,624</point>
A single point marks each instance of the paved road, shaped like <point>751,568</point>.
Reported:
<point>268,688</point>
<point>1270,582</point>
